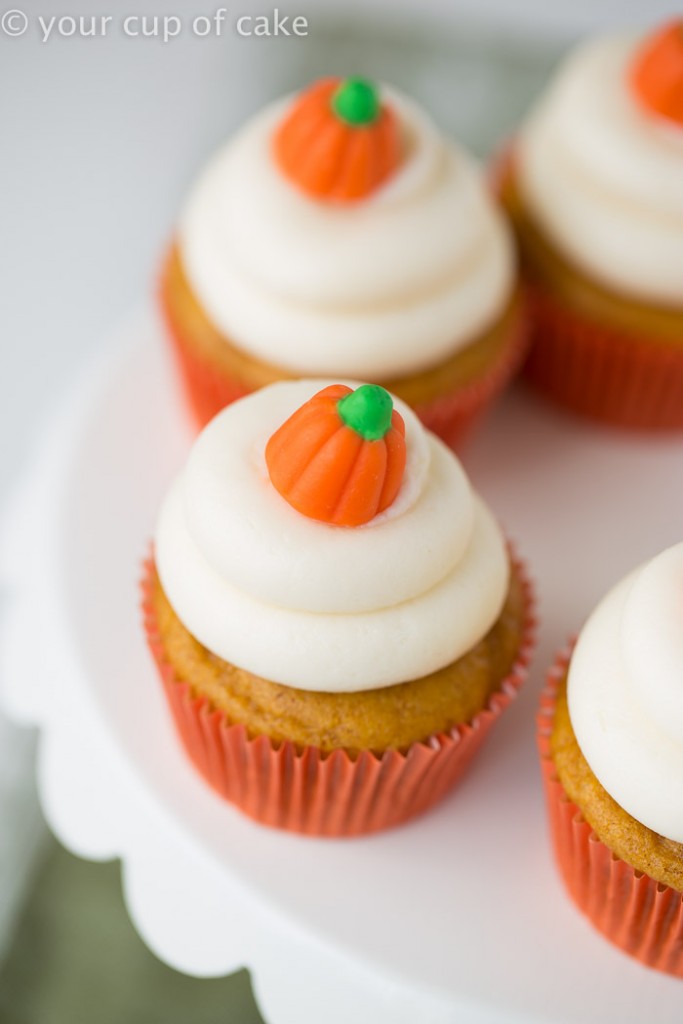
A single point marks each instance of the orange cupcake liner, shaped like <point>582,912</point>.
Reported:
<point>207,389</point>
<point>622,380</point>
<point>453,416</point>
<point>641,916</point>
<point>308,791</point>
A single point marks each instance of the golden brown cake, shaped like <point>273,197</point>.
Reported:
<point>201,345</point>
<point>335,615</point>
<point>639,846</point>
<point>593,184</point>
<point>383,719</point>
<point>610,734</point>
<point>339,234</point>
<point>546,268</point>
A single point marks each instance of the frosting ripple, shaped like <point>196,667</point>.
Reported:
<point>625,692</point>
<point>604,176</point>
<point>374,289</point>
<point>324,607</point>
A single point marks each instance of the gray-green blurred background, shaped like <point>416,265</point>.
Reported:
<point>101,138</point>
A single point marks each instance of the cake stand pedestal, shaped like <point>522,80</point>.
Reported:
<point>457,916</point>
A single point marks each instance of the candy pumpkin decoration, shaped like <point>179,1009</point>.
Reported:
<point>340,457</point>
<point>657,73</point>
<point>339,142</point>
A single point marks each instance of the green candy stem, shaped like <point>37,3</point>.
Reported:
<point>367,410</point>
<point>356,101</point>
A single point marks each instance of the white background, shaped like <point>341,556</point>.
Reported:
<point>100,139</point>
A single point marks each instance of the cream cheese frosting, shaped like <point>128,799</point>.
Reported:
<point>604,176</point>
<point>380,288</point>
<point>625,693</point>
<point>324,607</point>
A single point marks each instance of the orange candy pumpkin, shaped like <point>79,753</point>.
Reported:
<point>340,457</point>
<point>338,142</point>
<point>657,72</point>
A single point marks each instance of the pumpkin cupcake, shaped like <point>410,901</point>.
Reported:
<point>594,185</point>
<point>611,742</point>
<point>340,234</point>
<point>335,615</point>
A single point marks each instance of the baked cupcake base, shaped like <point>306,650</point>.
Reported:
<point>640,914</point>
<point>449,398</point>
<point>595,352</point>
<point>327,792</point>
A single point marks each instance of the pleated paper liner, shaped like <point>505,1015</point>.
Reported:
<point>327,794</point>
<point>625,381</point>
<point>453,417</point>
<point>622,379</point>
<point>207,389</point>
<point>641,916</point>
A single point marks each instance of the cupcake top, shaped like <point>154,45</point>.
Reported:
<point>601,163</point>
<point>339,233</point>
<point>625,693</point>
<point>321,538</point>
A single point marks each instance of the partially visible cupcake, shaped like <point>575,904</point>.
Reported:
<point>594,185</point>
<point>340,234</point>
<point>335,615</point>
<point>611,741</point>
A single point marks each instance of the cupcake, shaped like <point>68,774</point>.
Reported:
<point>594,186</point>
<point>611,742</point>
<point>339,234</point>
<point>335,615</point>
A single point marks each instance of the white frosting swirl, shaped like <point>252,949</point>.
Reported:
<point>604,177</point>
<point>625,692</point>
<point>374,289</point>
<point>324,607</point>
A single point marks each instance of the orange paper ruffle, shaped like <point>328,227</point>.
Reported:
<point>625,381</point>
<point>452,417</point>
<point>639,915</point>
<point>207,390</point>
<point>326,794</point>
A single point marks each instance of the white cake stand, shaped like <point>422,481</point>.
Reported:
<point>459,916</point>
